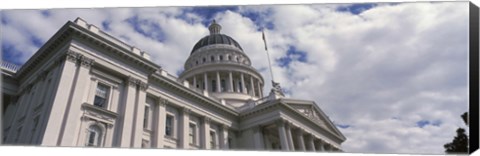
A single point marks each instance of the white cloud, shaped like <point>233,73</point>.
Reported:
<point>380,72</point>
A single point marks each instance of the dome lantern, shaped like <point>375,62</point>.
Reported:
<point>214,28</point>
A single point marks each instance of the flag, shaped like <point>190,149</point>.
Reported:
<point>264,40</point>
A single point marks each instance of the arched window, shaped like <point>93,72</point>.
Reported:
<point>238,59</point>
<point>229,57</point>
<point>204,60</point>
<point>94,136</point>
<point>212,58</point>
<point>221,57</point>
<point>196,62</point>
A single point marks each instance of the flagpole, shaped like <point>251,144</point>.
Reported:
<point>268,55</point>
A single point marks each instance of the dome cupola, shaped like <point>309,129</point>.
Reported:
<point>218,65</point>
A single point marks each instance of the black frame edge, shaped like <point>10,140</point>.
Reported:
<point>474,77</point>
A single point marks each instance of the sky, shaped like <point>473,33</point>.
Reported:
<point>391,76</point>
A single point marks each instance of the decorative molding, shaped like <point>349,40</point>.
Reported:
<point>134,82</point>
<point>98,114</point>
<point>86,62</point>
<point>163,102</point>
<point>143,86</point>
<point>206,119</point>
<point>72,56</point>
<point>185,110</point>
<point>224,127</point>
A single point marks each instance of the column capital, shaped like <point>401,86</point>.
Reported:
<point>224,127</point>
<point>86,62</point>
<point>132,81</point>
<point>143,86</point>
<point>72,56</point>
<point>206,119</point>
<point>185,110</point>
<point>300,131</point>
<point>257,128</point>
<point>281,122</point>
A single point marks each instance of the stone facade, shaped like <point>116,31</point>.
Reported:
<point>86,88</point>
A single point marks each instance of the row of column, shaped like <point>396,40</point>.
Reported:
<point>254,88</point>
<point>183,130</point>
<point>288,140</point>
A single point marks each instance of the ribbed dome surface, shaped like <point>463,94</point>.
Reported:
<point>215,39</point>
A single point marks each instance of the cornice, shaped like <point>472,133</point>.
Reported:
<point>71,31</point>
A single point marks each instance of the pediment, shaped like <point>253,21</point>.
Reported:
<point>311,110</point>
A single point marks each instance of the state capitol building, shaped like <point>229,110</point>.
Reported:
<point>84,87</point>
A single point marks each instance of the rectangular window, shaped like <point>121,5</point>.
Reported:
<point>191,133</point>
<point>146,115</point>
<point>213,141</point>
<point>101,96</point>
<point>214,85</point>
<point>223,85</point>
<point>240,88</point>
<point>169,126</point>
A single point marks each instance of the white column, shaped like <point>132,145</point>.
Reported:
<point>139,113</point>
<point>52,130</point>
<point>223,137</point>
<point>205,81</point>
<point>300,141</point>
<point>282,135</point>
<point>70,123</point>
<point>258,138</point>
<point>194,81</point>
<point>243,83</point>
<point>230,82</point>
<point>289,136</point>
<point>128,104</point>
<point>268,144</point>
<point>218,82</point>
<point>320,145</point>
<point>259,90</point>
<point>160,124</point>
<point>252,86</point>
<point>109,136</point>
<point>205,133</point>
<point>184,126</point>
<point>311,143</point>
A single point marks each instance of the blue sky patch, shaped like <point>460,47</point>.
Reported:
<point>423,123</point>
<point>147,28</point>
<point>343,126</point>
<point>45,13</point>
<point>357,8</point>
<point>259,20</point>
<point>4,19</point>
<point>208,13</point>
<point>106,25</point>
<point>292,55</point>
<point>10,54</point>
<point>37,42</point>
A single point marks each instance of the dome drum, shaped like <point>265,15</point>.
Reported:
<point>216,56</point>
<point>218,65</point>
